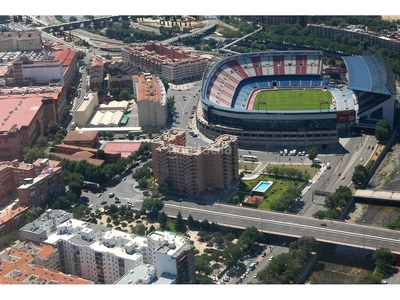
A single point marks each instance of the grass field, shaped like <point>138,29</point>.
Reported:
<point>292,100</point>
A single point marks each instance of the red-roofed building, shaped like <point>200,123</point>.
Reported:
<point>29,263</point>
<point>24,115</point>
<point>253,200</point>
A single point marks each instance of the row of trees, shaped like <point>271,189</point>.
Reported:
<point>334,203</point>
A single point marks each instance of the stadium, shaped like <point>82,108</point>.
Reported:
<point>286,99</point>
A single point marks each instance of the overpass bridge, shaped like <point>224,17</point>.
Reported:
<point>97,23</point>
<point>291,225</point>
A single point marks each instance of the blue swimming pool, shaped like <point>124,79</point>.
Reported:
<point>262,186</point>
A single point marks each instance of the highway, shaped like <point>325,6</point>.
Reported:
<point>336,232</point>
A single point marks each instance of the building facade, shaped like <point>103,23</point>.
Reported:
<point>20,41</point>
<point>103,255</point>
<point>168,62</point>
<point>40,189</point>
<point>195,170</point>
<point>151,100</point>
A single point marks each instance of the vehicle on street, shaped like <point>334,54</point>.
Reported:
<point>368,147</point>
<point>123,179</point>
<point>117,200</point>
<point>361,159</point>
<point>270,259</point>
<point>85,190</point>
<point>343,178</point>
<point>103,202</point>
<point>255,275</point>
<point>98,195</point>
<point>323,224</point>
<point>263,254</point>
<point>111,195</point>
<point>339,174</point>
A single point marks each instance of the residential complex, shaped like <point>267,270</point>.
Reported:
<point>103,255</point>
<point>13,175</point>
<point>389,41</point>
<point>168,62</point>
<point>20,41</point>
<point>195,170</point>
<point>30,263</point>
<point>151,99</point>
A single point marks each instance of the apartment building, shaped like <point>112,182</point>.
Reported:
<point>168,62</point>
<point>13,173</point>
<point>20,41</point>
<point>151,100</point>
<point>30,263</point>
<point>12,217</point>
<point>103,255</point>
<point>390,40</point>
<point>172,254</point>
<point>195,170</point>
<point>40,189</point>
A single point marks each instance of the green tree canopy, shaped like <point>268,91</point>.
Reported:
<point>382,131</point>
<point>312,153</point>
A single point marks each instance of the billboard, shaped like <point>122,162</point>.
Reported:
<point>346,116</point>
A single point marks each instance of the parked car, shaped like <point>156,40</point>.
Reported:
<point>103,202</point>
<point>85,190</point>
<point>98,195</point>
<point>263,254</point>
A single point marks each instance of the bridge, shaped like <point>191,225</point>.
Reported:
<point>291,225</point>
<point>97,23</point>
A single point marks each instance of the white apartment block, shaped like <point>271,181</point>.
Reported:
<point>103,255</point>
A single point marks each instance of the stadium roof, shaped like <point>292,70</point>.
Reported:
<point>368,74</point>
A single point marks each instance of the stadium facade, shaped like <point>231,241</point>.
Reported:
<point>366,95</point>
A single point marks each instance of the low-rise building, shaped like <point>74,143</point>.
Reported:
<point>79,138</point>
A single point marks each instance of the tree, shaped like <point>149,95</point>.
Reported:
<point>249,236</point>
<point>232,253</point>
<point>73,19</point>
<point>163,220</point>
<point>125,94</point>
<point>152,206</point>
<point>179,223</point>
<point>53,127</point>
<point>33,213</point>
<point>359,175</point>
<point>80,211</point>
<point>382,131</point>
<point>384,260</point>
<point>139,229</point>
<point>312,153</point>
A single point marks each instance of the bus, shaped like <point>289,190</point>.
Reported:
<point>250,158</point>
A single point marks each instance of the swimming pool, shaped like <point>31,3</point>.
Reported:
<point>262,187</point>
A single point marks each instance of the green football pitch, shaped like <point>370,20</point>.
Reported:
<point>292,100</point>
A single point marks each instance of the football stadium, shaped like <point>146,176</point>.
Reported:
<point>286,99</point>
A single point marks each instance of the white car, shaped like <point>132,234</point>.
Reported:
<point>270,259</point>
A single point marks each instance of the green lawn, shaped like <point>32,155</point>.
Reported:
<point>292,100</point>
<point>249,166</point>
<point>279,187</point>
